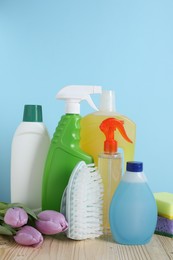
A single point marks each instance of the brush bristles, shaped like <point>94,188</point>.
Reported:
<point>86,204</point>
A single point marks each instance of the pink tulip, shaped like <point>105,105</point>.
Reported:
<point>51,222</point>
<point>29,236</point>
<point>16,217</point>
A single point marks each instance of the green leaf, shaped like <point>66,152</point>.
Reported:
<point>31,221</point>
<point>2,212</point>
<point>3,205</point>
<point>10,228</point>
<point>30,212</point>
<point>13,205</point>
<point>5,231</point>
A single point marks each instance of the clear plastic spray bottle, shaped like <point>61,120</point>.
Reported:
<point>110,164</point>
<point>91,137</point>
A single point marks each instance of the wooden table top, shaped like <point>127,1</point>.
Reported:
<point>61,248</point>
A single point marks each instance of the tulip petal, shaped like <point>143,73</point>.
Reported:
<point>16,217</point>
<point>29,236</point>
<point>51,222</point>
<point>48,227</point>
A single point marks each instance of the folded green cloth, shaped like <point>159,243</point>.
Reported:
<point>163,234</point>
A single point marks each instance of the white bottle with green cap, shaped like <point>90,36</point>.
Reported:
<point>29,149</point>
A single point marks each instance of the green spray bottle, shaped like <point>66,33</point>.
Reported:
<point>65,152</point>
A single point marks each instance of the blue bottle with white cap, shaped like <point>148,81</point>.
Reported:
<point>133,210</point>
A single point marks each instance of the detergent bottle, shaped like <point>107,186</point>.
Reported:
<point>91,136</point>
<point>133,209</point>
<point>65,151</point>
<point>29,150</point>
<point>110,164</point>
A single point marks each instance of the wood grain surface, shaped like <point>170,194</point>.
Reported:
<point>61,248</point>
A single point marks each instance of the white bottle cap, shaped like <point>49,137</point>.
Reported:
<point>107,101</point>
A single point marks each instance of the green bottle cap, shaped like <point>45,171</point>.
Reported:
<point>32,113</point>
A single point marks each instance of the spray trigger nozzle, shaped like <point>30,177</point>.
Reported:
<point>74,94</point>
<point>108,126</point>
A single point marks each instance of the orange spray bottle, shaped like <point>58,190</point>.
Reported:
<point>110,164</point>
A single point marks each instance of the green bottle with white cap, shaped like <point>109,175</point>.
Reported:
<point>29,149</point>
<point>65,152</point>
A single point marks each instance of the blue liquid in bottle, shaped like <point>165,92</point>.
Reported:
<point>133,210</point>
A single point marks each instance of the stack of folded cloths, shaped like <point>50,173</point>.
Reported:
<point>164,201</point>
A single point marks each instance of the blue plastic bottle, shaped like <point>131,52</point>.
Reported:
<point>133,210</point>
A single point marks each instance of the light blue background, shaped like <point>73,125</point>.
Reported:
<point>119,44</point>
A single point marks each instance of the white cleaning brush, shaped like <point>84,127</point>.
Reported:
<point>82,202</point>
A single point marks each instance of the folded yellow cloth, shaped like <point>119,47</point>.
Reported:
<point>164,201</point>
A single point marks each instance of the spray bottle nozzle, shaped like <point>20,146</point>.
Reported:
<point>108,126</point>
<point>74,94</point>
